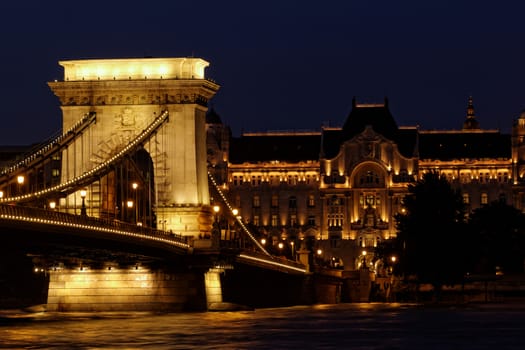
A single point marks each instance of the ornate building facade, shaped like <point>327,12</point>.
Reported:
<point>343,186</point>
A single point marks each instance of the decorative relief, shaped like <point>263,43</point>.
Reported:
<point>126,118</point>
<point>131,99</point>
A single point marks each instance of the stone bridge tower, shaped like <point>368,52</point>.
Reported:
<point>127,95</point>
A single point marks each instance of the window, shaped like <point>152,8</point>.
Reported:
<point>369,178</point>
<point>238,201</point>
<point>311,200</point>
<point>293,220</point>
<point>275,201</point>
<point>256,220</point>
<point>335,212</point>
<point>55,172</point>
<point>292,202</point>
<point>484,198</point>
<point>274,220</point>
<point>311,220</point>
<point>466,198</point>
<point>256,202</point>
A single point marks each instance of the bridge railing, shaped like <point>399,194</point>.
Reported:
<point>22,213</point>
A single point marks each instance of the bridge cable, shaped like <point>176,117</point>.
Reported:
<point>239,221</point>
<point>83,179</point>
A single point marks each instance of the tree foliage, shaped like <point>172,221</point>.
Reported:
<point>497,233</point>
<point>431,232</point>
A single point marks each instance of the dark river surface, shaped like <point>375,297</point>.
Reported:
<point>342,326</point>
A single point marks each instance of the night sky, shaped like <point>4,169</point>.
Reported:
<point>281,64</point>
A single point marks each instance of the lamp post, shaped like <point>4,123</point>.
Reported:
<point>20,180</point>
<point>135,186</point>
<point>363,261</point>
<point>52,205</point>
<point>129,204</point>
<point>83,210</point>
<point>216,229</point>
<point>235,212</point>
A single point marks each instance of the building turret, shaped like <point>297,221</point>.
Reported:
<point>470,123</point>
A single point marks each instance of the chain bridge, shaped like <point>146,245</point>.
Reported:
<point>115,210</point>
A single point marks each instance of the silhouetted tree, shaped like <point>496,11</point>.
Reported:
<point>497,233</point>
<point>431,232</point>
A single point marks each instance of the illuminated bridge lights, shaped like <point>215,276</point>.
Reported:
<point>239,221</point>
<point>78,180</point>
<point>88,117</point>
<point>168,238</point>
<point>283,265</point>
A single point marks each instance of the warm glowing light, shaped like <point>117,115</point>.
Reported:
<point>136,68</point>
<point>52,204</point>
<point>135,185</point>
<point>235,212</point>
<point>20,179</point>
<point>129,204</point>
<point>393,258</point>
<point>1,194</point>
<point>319,252</point>
<point>216,209</point>
<point>280,245</point>
<point>263,241</point>
<point>363,253</point>
<point>83,193</point>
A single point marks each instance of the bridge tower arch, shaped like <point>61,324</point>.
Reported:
<point>127,95</point>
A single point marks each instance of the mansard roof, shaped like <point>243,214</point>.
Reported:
<point>449,145</point>
<point>283,146</point>
<point>405,138</point>
<point>378,116</point>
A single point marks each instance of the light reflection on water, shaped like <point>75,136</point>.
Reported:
<point>343,326</point>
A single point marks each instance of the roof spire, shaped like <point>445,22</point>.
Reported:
<point>470,123</point>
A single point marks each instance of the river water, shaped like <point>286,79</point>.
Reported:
<point>342,326</point>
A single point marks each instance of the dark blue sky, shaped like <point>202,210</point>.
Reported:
<point>281,64</point>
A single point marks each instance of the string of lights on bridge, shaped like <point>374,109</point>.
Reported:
<point>88,118</point>
<point>140,138</point>
<point>94,228</point>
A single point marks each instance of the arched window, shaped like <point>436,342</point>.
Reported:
<point>369,176</point>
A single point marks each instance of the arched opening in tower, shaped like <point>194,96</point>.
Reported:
<point>129,194</point>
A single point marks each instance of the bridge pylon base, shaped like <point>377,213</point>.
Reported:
<point>187,220</point>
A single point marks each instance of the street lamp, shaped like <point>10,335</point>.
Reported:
<point>1,194</point>
<point>52,205</point>
<point>363,262</point>
<point>20,179</point>
<point>216,210</point>
<point>83,210</point>
<point>135,186</point>
<point>216,230</point>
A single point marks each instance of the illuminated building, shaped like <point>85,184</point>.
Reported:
<point>344,185</point>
